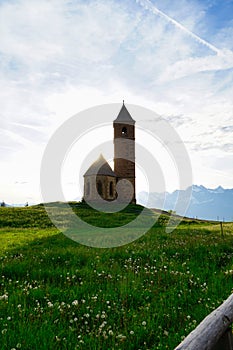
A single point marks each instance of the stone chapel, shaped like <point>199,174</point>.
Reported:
<point>100,181</point>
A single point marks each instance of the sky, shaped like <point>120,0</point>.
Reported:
<point>59,57</point>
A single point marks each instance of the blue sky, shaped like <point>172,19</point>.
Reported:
<point>58,58</point>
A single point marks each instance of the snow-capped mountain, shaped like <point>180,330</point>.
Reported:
<point>205,203</point>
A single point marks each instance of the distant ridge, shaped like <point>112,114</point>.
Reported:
<point>16,205</point>
<point>205,203</point>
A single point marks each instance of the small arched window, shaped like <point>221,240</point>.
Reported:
<point>99,188</point>
<point>124,131</point>
<point>111,189</point>
<point>88,189</point>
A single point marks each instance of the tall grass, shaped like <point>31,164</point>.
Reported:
<point>58,294</point>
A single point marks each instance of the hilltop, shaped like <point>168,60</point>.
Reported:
<point>36,216</point>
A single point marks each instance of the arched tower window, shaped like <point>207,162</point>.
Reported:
<point>124,131</point>
<point>111,189</point>
<point>88,189</point>
<point>99,188</point>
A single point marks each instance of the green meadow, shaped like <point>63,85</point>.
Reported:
<point>149,294</point>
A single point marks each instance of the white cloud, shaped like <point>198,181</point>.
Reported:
<point>193,65</point>
<point>59,57</point>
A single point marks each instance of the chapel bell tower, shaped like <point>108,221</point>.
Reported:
<point>124,155</point>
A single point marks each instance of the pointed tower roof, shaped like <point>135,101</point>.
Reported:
<point>100,167</point>
<point>124,116</point>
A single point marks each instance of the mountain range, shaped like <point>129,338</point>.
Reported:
<point>205,203</point>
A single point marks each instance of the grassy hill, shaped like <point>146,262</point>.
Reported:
<point>58,294</point>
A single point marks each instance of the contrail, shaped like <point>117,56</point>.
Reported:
<point>149,6</point>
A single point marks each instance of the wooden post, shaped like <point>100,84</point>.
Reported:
<point>208,333</point>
